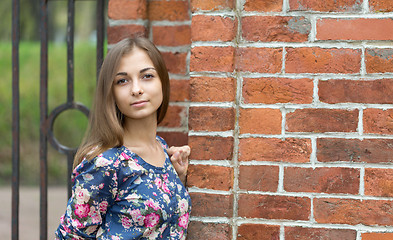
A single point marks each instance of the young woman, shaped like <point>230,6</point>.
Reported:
<point>126,185</point>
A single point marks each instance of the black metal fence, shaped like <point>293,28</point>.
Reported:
<point>46,119</point>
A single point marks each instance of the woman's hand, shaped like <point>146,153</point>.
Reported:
<point>179,158</point>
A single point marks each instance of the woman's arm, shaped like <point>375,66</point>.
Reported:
<point>179,159</point>
<point>94,189</point>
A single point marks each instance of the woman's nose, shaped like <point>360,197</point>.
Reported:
<point>136,89</point>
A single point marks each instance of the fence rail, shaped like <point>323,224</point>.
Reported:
<point>47,119</point>
<point>15,118</point>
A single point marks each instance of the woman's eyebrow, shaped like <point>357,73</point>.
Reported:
<point>146,69</point>
<point>141,71</point>
<point>121,74</point>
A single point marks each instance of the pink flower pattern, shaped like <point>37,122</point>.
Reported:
<point>95,216</point>
<point>183,221</point>
<point>137,217</point>
<point>151,220</point>
<point>82,210</point>
<point>126,222</point>
<point>103,205</point>
<point>152,204</point>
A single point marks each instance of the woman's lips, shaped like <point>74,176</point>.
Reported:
<point>139,103</point>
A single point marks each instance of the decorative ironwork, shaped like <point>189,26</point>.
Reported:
<point>47,120</point>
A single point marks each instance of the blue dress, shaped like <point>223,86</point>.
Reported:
<point>117,195</point>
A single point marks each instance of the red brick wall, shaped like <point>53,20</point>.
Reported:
<point>289,113</point>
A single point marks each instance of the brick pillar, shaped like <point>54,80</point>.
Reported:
<point>213,120</point>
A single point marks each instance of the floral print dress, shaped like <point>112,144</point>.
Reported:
<point>117,195</point>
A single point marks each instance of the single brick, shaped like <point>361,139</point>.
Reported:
<point>263,5</point>
<point>353,211</point>
<point>343,91</point>
<point>216,231</point>
<point>175,117</point>
<point>277,90</point>
<point>127,9</point>
<point>321,180</point>
<point>172,35</point>
<point>380,6</point>
<point>210,177</point>
<point>211,119</point>
<point>378,121</point>
<point>378,182</point>
<point>322,120</point>
<point>377,236</point>
<point>262,60</point>
<point>295,233</point>
<point>117,33</point>
<point>174,138</point>
<point>216,5</point>
<point>213,28</point>
<point>355,150</point>
<point>259,178</point>
<point>326,6</point>
<point>260,120</point>
<point>354,29</point>
<point>274,207</point>
<point>168,10</point>
<point>294,150</point>
<point>180,90</point>
<point>212,89</point>
<point>322,60</point>
<point>218,59</point>
<point>275,29</point>
<point>379,60</point>
<point>214,148</point>
<point>250,231</point>
<point>211,205</point>
<point>176,62</point>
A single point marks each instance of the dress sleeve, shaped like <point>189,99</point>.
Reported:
<point>94,190</point>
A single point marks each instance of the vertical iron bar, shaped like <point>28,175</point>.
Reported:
<point>70,160</point>
<point>15,118</point>
<point>70,76</point>
<point>43,121</point>
<point>100,33</point>
<point>70,50</point>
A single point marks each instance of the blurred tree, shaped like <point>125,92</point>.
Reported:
<point>6,20</point>
<point>30,20</point>
<point>84,20</point>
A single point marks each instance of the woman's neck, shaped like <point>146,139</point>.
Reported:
<point>140,132</point>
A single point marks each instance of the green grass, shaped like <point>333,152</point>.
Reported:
<point>69,127</point>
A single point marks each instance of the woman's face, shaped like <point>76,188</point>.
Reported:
<point>137,88</point>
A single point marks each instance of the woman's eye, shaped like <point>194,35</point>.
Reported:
<point>148,76</point>
<point>121,81</point>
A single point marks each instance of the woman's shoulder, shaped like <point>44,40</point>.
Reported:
<point>105,164</point>
<point>111,153</point>
<point>162,141</point>
<point>109,158</point>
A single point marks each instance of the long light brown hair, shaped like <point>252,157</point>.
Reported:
<point>105,124</point>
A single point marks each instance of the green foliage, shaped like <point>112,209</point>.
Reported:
<point>69,127</point>
<point>29,12</point>
<point>29,19</point>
